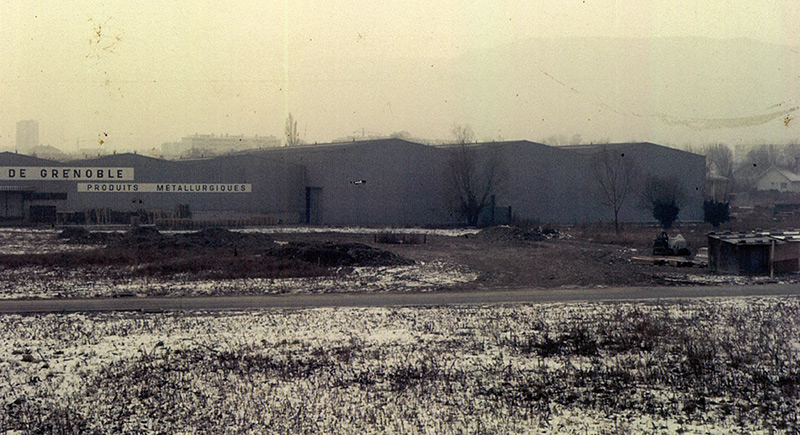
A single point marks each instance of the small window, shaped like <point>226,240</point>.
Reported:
<point>783,185</point>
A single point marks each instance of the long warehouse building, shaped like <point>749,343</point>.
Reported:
<point>378,182</point>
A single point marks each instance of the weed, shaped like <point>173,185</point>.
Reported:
<point>36,417</point>
<point>596,368</point>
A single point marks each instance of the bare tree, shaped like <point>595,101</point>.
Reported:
<point>401,135</point>
<point>719,172</point>
<point>757,161</point>
<point>719,159</point>
<point>664,196</point>
<point>462,134</point>
<point>556,140</point>
<point>290,132</point>
<point>792,155</point>
<point>617,176</point>
<point>719,184</point>
<point>472,178</point>
<point>765,156</point>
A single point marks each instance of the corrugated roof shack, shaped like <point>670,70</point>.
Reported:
<point>739,254</point>
<point>754,253</point>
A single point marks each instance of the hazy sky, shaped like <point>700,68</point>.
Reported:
<point>137,74</point>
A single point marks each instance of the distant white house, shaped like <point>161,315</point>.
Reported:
<point>718,185</point>
<point>778,179</point>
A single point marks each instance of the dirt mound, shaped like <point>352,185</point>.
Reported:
<point>82,236</point>
<point>505,234</point>
<point>140,237</point>
<point>151,238</point>
<point>339,254</point>
<point>222,238</point>
<point>219,253</point>
<point>74,233</point>
<point>135,237</point>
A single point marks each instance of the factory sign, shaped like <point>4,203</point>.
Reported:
<point>63,173</point>
<point>165,187</point>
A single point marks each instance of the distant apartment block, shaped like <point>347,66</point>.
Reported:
<point>211,144</point>
<point>27,134</point>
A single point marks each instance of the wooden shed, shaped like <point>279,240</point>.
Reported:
<point>786,255</point>
<point>742,253</point>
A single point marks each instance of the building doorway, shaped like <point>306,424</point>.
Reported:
<point>12,205</point>
<point>313,205</point>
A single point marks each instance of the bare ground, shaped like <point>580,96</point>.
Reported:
<point>335,261</point>
<point>570,257</point>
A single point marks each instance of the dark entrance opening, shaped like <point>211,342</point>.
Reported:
<point>43,214</point>
<point>313,205</point>
<point>12,205</point>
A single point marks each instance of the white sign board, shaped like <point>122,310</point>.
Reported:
<point>165,188</point>
<point>63,173</point>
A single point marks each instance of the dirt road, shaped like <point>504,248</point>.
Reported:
<point>489,297</point>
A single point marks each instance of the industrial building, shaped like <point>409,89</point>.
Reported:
<point>377,182</point>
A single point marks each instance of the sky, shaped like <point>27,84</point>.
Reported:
<point>133,75</point>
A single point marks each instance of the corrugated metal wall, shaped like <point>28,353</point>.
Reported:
<point>382,182</point>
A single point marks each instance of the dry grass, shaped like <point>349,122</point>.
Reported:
<point>639,236</point>
<point>210,263</point>
<point>694,367</point>
<point>208,254</point>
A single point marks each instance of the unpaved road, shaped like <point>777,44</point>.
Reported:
<point>483,297</point>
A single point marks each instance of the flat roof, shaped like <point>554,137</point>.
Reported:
<point>17,188</point>
<point>757,237</point>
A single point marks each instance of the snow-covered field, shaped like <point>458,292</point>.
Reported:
<point>32,241</point>
<point>705,366</point>
<point>40,282</point>
<point>36,282</point>
<point>452,232</point>
<point>41,241</point>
